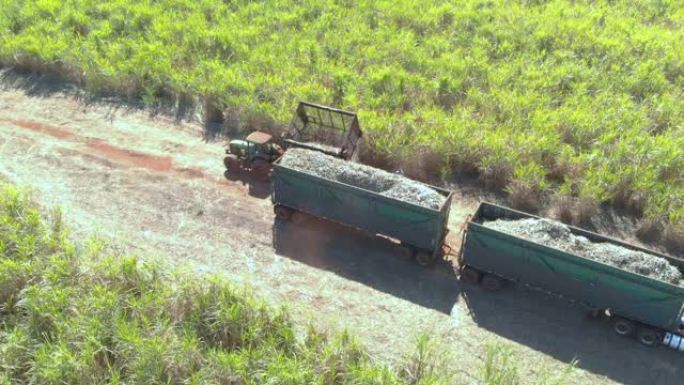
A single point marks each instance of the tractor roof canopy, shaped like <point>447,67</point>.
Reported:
<point>258,137</point>
<point>326,125</point>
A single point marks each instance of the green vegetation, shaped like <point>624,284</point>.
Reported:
<point>77,314</point>
<point>71,314</point>
<point>575,99</point>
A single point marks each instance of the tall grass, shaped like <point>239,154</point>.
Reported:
<point>73,313</point>
<point>577,98</point>
<point>499,368</point>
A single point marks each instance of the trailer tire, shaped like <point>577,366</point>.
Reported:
<point>492,282</point>
<point>623,327</point>
<point>282,212</point>
<point>406,252</point>
<point>424,259</point>
<point>648,336</point>
<point>470,275</point>
<point>297,217</point>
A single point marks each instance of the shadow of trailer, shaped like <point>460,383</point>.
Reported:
<point>637,305</point>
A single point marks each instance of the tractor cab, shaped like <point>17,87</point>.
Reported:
<point>255,153</point>
<point>314,127</point>
<point>257,145</point>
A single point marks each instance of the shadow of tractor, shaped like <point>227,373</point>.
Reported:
<point>258,187</point>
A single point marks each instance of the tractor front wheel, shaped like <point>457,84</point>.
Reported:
<point>232,163</point>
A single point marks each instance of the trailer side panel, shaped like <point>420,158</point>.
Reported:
<point>593,283</point>
<point>374,213</point>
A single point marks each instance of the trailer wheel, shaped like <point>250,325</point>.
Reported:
<point>406,252</point>
<point>424,259</point>
<point>297,217</point>
<point>623,327</point>
<point>492,282</point>
<point>470,275</point>
<point>648,336</point>
<point>282,212</point>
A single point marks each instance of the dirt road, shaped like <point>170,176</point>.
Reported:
<point>157,187</point>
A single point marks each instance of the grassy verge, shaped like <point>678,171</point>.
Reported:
<point>74,313</point>
<point>561,99</point>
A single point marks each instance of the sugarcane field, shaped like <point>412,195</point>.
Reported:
<point>335,192</point>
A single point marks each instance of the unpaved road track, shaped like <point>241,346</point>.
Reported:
<point>157,187</point>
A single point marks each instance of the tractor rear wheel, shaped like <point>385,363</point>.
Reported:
<point>261,168</point>
<point>232,163</point>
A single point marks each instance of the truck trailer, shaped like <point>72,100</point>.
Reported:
<point>420,230</point>
<point>637,305</point>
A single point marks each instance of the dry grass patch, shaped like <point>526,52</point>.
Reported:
<point>674,239</point>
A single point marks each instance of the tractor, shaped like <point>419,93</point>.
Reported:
<point>314,127</point>
<point>256,154</point>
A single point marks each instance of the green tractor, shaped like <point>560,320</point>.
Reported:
<point>255,154</point>
<point>314,127</point>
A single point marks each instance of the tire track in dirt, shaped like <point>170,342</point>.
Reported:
<point>100,148</point>
<point>131,158</point>
<point>159,170</point>
<point>43,128</point>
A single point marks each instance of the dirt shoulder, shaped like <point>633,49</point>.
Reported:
<point>156,186</point>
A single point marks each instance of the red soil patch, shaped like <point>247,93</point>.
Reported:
<point>103,150</point>
<point>192,173</point>
<point>150,162</point>
<point>44,128</point>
